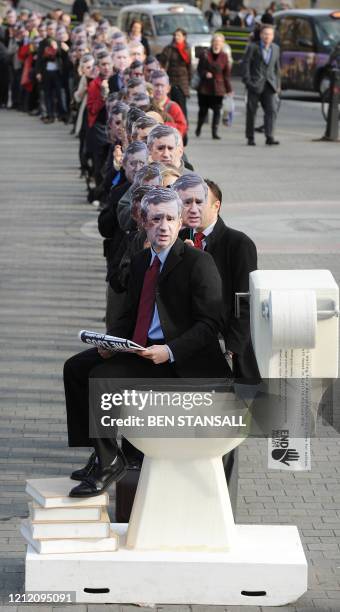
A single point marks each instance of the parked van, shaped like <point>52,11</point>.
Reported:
<point>161,20</point>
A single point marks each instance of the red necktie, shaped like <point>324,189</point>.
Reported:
<point>198,238</point>
<point>146,303</point>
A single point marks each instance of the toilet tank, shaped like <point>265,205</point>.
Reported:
<point>325,353</point>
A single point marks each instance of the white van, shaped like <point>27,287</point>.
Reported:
<point>161,20</point>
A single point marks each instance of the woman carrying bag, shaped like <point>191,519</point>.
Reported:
<point>214,83</point>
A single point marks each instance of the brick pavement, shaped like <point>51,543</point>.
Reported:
<point>53,285</point>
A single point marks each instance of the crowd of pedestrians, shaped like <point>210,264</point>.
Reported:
<point>234,13</point>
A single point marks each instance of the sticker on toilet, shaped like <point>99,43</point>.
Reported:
<point>286,453</point>
<point>289,444</point>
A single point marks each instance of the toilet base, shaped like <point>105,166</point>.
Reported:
<point>268,565</point>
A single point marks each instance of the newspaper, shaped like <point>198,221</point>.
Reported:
<point>111,343</point>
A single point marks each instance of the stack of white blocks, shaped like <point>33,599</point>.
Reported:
<point>58,523</point>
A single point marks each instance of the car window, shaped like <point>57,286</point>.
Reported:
<point>286,34</point>
<point>147,27</point>
<point>124,21</point>
<point>328,31</point>
<point>193,24</point>
<point>304,35</point>
<point>296,34</point>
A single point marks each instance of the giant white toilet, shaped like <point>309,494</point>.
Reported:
<point>182,545</point>
<point>182,501</point>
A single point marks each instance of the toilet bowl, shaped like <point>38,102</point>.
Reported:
<point>182,500</point>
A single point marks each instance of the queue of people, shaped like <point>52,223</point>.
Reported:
<point>172,281</point>
<point>38,66</point>
<point>173,265</point>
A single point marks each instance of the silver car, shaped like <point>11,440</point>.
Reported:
<point>161,20</point>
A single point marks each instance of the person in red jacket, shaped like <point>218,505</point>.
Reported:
<point>161,88</point>
<point>98,89</point>
<point>97,93</point>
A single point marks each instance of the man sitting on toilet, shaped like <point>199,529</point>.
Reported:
<point>174,307</point>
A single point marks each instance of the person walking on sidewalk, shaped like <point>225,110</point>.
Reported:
<point>176,61</point>
<point>261,76</point>
<point>214,72</point>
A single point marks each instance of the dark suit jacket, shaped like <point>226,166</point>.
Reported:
<point>189,302</point>
<point>109,228</point>
<point>256,73</point>
<point>235,256</point>
<point>114,84</point>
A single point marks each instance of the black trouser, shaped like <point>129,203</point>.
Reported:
<point>89,364</point>
<point>269,104</point>
<point>4,83</point>
<point>100,152</point>
<point>52,88</point>
<point>17,90</point>
<point>206,102</point>
<point>177,95</point>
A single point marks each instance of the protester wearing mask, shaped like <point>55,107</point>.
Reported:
<point>161,86</point>
<point>98,91</point>
<point>121,61</point>
<point>49,72</point>
<point>135,157</point>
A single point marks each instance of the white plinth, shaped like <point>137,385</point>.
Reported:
<point>267,558</point>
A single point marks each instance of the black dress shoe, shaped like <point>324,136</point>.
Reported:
<point>251,142</point>
<point>216,136</point>
<point>271,141</point>
<point>198,132</point>
<point>101,479</point>
<point>85,471</point>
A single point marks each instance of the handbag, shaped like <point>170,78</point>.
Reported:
<point>228,110</point>
<point>195,80</point>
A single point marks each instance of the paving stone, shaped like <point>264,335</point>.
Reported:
<point>107,607</point>
<point>75,608</point>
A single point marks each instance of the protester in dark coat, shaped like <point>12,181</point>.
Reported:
<point>49,71</point>
<point>4,71</point>
<point>214,71</point>
<point>135,157</point>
